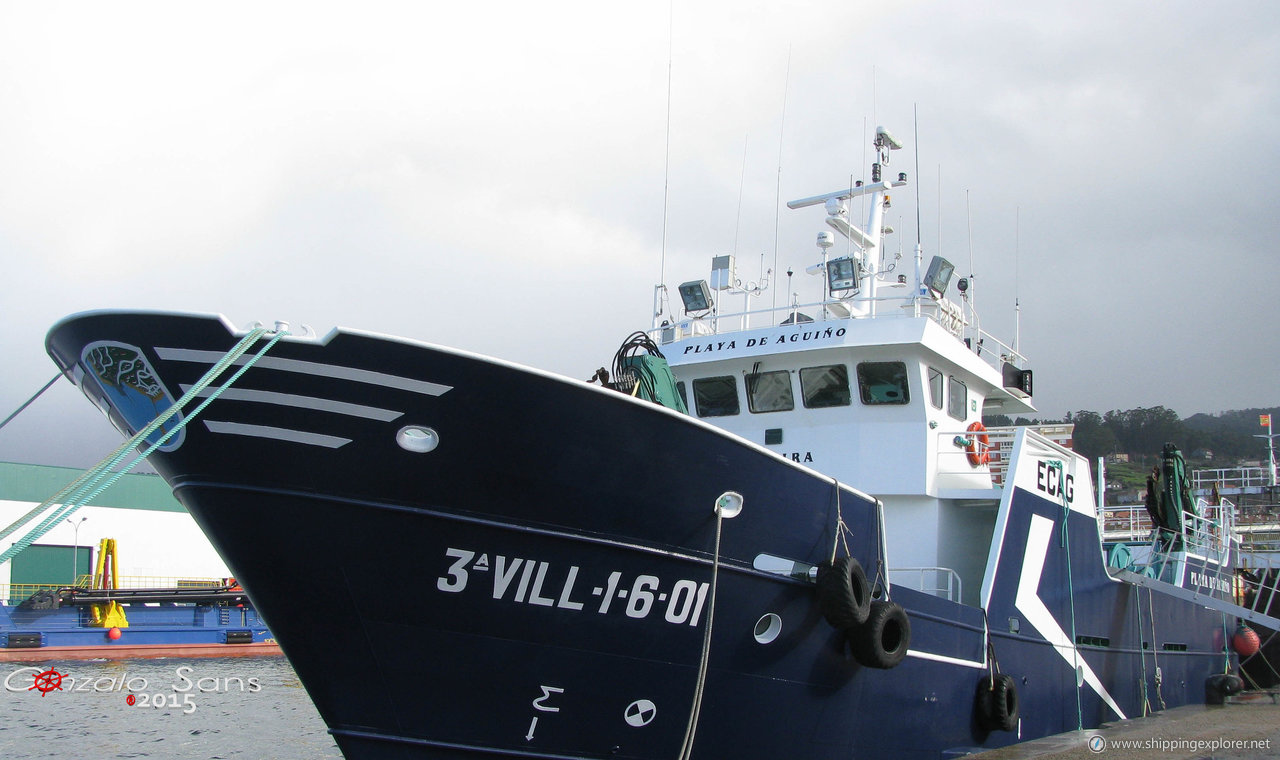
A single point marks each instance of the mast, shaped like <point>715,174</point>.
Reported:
<point>1265,419</point>
<point>866,243</point>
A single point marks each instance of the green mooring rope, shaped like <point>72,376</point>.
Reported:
<point>74,495</point>
<point>1065,542</point>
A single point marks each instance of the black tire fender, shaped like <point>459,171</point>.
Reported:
<point>844,596</point>
<point>883,640</point>
<point>1218,687</point>
<point>997,703</point>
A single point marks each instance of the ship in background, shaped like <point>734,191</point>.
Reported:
<point>72,594</point>
<point>102,621</point>
<point>781,539</point>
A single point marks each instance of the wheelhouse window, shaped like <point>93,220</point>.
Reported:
<point>716,396</point>
<point>770,391</point>
<point>684,395</point>
<point>957,398</point>
<point>935,388</point>
<point>883,383</point>
<point>822,387</point>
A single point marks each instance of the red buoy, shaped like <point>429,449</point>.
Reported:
<point>1246,641</point>
<point>114,634</point>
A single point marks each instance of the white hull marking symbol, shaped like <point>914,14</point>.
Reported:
<point>1038,615</point>
<point>529,581</point>
<point>541,702</point>
<point>541,705</point>
<point>564,600</point>
<point>502,576</point>
<point>640,713</point>
<point>457,579</point>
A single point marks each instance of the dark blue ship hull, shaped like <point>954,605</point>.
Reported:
<point>539,584</point>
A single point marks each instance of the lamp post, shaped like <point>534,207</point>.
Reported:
<point>75,549</point>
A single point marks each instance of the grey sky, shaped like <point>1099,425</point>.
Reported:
<point>491,176</point>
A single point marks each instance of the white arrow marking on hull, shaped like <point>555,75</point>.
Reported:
<point>1038,615</point>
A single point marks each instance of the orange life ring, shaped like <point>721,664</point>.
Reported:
<point>979,448</point>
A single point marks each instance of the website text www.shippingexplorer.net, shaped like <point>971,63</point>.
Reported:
<point>1100,744</point>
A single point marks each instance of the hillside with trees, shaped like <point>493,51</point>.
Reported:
<point>1207,441</point>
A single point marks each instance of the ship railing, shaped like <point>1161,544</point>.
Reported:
<point>1207,532</point>
<point>1210,530</point>
<point>1125,523</point>
<point>1235,478</point>
<point>1001,449</point>
<point>953,454</point>
<point>833,312</point>
<point>945,581</point>
<point>725,322</point>
<point>170,581</point>
<point>16,593</point>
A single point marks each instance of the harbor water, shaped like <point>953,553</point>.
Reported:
<point>246,708</point>
<point>213,709</point>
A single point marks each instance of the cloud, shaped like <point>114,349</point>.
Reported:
<point>493,176</point>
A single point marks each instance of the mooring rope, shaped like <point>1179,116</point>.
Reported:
<point>882,556</point>
<point>74,496</point>
<point>31,400</point>
<point>842,529</point>
<point>989,647</point>
<point>1265,661</point>
<point>1226,645</point>
<point>695,710</point>
<point>841,540</point>
<point>1065,541</point>
<point>1155,655</point>
<point>1142,654</point>
<point>77,486</point>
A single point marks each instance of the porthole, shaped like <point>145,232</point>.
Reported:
<point>768,627</point>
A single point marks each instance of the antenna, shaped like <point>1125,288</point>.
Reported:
<point>969,221</point>
<point>939,209</point>
<point>737,223</point>
<point>873,94</point>
<point>666,168</point>
<point>915,126</point>
<point>777,192</point>
<point>862,200</point>
<point>1017,306</point>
